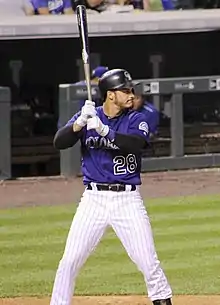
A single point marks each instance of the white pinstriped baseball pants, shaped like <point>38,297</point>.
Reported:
<point>126,214</point>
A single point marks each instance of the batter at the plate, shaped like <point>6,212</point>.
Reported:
<point>112,137</point>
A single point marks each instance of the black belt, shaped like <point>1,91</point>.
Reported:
<point>111,187</point>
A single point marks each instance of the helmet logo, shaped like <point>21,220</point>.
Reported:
<point>109,72</point>
<point>128,76</point>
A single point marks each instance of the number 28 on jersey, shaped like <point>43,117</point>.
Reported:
<point>123,165</point>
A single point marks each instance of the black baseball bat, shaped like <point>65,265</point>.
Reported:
<point>84,38</point>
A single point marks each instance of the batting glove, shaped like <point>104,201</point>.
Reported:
<point>96,123</point>
<point>87,111</point>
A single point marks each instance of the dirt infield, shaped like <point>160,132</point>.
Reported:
<point>57,190</point>
<point>117,300</point>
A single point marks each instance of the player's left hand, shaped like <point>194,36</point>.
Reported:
<point>96,123</point>
<point>88,110</point>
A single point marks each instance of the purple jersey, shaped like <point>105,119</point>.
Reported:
<point>151,116</point>
<point>54,6</point>
<point>103,161</point>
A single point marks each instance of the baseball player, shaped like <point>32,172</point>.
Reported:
<point>112,137</point>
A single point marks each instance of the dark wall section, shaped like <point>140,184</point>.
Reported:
<point>44,61</point>
<point>53,61</point>
<point>184,54</point>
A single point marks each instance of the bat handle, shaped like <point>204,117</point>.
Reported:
<point>87,78</point>
<point>89,94</point>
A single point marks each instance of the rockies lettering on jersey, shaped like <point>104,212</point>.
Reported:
<point>103,161</point>
<point>99,142</point>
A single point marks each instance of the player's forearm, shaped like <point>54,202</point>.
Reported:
<point>66,137</point>
<point>76,127</point>
<point>129,143</point>
<point>43,11</point>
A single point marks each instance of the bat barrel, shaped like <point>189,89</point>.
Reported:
<point>83,33</point>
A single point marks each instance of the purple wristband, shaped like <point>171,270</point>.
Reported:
<point>111,135</point>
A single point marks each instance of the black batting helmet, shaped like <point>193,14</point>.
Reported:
<point>115,79</point>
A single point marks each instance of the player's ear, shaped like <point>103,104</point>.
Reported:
<point>110,95</point>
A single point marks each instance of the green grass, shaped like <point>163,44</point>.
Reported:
<point>187,237</point>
